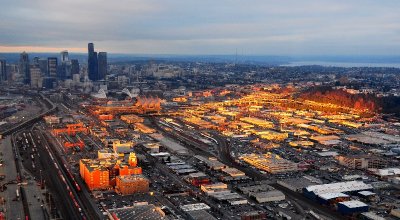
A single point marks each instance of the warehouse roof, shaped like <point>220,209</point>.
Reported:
<point>366,193</point>
<point>328,196</point>
<point>388,171</point>
<point>372,215</point>
<point>201,215</point>
<point>339,187</point>
<point>353,204</point>
<point>141,212</point>
<point>194,206</point>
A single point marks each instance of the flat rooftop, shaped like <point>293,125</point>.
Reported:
<point>140,212</point>
<point>353,204</point>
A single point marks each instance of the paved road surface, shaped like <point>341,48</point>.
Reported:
<point>14,208</point>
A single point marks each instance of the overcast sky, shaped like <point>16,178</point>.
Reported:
<point>252,27</point>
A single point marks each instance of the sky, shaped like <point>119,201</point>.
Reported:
<point>250,27</point>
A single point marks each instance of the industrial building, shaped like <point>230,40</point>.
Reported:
<point>262,193</point>
<point>298,184</point>
<point>270,162</point>
<point>272,135</point>
<point>52,119</point>
<point>95,175</point>
<point>198,179</point>
<point>258,122</point>
<point>361,161</point>
<point>136,212</point>
<point>386,173</point>
<point>200,215</point>
<point>152,147</point>
<point>143,128</point>
<point>131,119</point>
<point>211,163</point>
<point>352,207</point>
<point>107,153</point>
<point>316,191</point>
<point>120,147</point>
<point>130,184</point>
<point>371,216</point>
<point>102,173</point>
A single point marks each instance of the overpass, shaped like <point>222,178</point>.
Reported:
<point>52,109</point>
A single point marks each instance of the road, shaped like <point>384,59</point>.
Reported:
<point>33,119</point>
<point>14,209</point>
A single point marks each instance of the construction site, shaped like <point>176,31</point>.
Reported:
<point>143,105</point>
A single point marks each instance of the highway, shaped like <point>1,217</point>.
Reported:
<point>33,119</point>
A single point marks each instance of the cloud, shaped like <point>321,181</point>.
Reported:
<point>207,26</point>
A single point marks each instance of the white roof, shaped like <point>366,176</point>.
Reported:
<point>339,187</point>
<point>366,193</point>
<point>388,171</point>
<point>194,207</point>
<point>373,216</point>
<point>328,154</point>
<point>353,204</point>
<point>328,196</point>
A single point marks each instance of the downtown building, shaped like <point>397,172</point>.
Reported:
<point>36,77</point>
<point>3,70</point>
<point>50,80</point>
<point>24,69</point>
<point>93,72</point>
<point>102,65</point>
<point>97,64</point>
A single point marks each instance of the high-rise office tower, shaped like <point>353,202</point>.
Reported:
<point>24,67</point>
<point>64,56</point>
<point>43,66</point>
<point>36,77</point>
<point>52,66</point>
<point>36,61</point>
<point>92,63</point>
<point>74,67</point>
<point>65,67</point>
<point>3,70</point>
<point>102,59</point>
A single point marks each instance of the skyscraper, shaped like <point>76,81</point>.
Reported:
<point>36,61</point>
<point>43,66</point>
<point>3,70</point>
<point>36,77</point>
<point>102,59</point>
<point>52,66</point>
<point>64,56</point>
<point>65,67</point>
<point>24,67</point>
<point>92,63</point>
<point>74,67</point>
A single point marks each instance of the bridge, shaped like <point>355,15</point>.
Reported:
<point>34,119</point>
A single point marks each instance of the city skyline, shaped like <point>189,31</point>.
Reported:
<point>156,27</point>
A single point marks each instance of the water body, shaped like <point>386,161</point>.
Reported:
<point>341,64</point>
